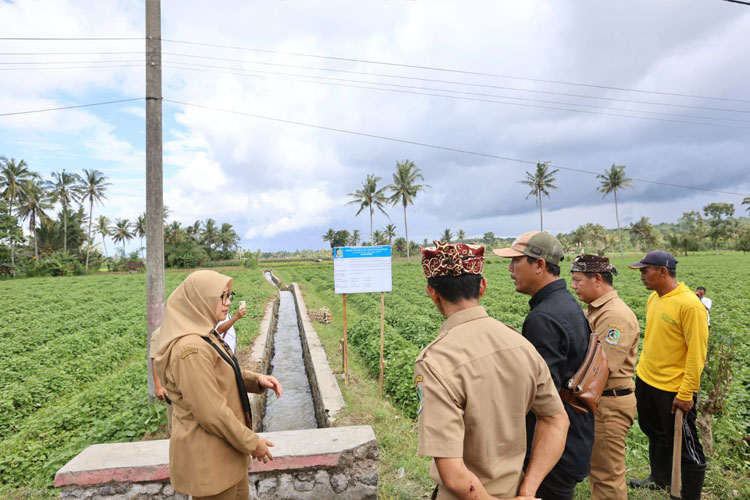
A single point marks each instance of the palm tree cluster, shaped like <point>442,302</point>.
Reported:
<point>29,198</point>
<point>403,190</point>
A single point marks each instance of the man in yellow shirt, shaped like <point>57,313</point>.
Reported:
<point>668,374</point>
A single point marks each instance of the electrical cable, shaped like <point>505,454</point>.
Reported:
<point>67,39</point>
<point>431,94</point>
<point>433,146</point>
<point>448,70</point>
<point>72,107</point>
<point>454,82</point>
<point>75,62</point>
<point>76,67</point>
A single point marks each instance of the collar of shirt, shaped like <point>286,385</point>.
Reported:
<point>461,317</point>
<point>546,291</point>
<point>603,299</point>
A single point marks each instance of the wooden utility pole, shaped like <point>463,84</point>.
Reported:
<point>154,182</point>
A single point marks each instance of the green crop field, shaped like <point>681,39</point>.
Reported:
<point>73,368</point>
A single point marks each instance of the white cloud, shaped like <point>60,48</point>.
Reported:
<point>278,181</point>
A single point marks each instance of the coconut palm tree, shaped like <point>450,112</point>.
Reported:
<point>209,236</point>
<point>227,238</point>
<point>64,188</point>
<point>447,236</point>
<point>173,233</point>
<point>404,189</point>
<point>746,201</point>
<point>329,236</point>
<point>102,228</point>
<point>194,230</point>
<point>33,202</point>
<point>355,238</point>
<point>610,181</point>
<point>92,186</point>
<point>389,232</point>
<point>378,238</point>
<point>140,229</point>
<point>541,181</point>
<point>370,197</point>
<point>12,175</point>
<point>460,236</point>
<point>122,232</point>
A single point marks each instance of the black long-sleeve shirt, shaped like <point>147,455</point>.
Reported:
<point>559,330</point>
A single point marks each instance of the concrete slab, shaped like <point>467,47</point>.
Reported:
<point>147,461</point>
<point>330,393</point>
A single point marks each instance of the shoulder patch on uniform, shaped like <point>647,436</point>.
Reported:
<point>188,353</point>
<point>613,336</point>
<point>418,379</point>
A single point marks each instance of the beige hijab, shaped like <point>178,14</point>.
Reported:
<point>191,309</point>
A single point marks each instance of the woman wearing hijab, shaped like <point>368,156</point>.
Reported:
<point>212,438</point>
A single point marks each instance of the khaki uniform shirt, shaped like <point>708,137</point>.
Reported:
<point>617,328</point>
<point>476,381</point>
<point>210,446</point>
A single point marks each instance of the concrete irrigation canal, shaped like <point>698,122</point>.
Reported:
<point>313,460</point>
<point>295,409</point>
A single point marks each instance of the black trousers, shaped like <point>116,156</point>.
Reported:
<point>656,420</point>
<point>557,486</point>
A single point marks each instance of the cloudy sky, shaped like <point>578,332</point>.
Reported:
<point>661,87</point>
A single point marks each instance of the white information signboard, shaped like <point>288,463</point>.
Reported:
<point>362,269</point>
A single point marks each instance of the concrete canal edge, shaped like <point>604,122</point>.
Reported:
<point>325,388</point>
<point>260,356</point>
<point>312,464</point>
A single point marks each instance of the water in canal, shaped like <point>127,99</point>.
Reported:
<point>295,409</point>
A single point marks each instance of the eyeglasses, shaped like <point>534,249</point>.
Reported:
<point>227,297</point>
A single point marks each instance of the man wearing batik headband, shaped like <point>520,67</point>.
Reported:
<point>617,327</point>
<point>475,383</point>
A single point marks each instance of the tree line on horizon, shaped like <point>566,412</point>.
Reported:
<point>715,224</point>
<point>66,243</point>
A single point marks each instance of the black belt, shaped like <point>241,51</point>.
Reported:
<point>617,392</point>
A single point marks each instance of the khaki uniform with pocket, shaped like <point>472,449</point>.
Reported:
<point>210,446</point>
<point>618,329</point>
<point>476,382</point>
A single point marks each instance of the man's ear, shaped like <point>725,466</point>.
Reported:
<point>540,264</point>
<point>432,293</point>
<point>482,286</point>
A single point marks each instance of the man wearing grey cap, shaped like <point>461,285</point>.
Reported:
<point>669,373</point>
<point>617,328</point>
<point>559,331</point>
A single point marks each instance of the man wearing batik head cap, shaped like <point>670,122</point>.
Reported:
<point>668,375</point>
<point>558,329</point>
<point>475,383</point>
<point>617,327</point>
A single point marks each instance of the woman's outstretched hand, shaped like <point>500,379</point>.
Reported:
<point>270,382</point>
<point>261,452</point>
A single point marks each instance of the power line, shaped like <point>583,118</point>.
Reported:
<point>454,82</point>
<point>73,62</point>
<point>433,146</point>
<point>72,107</point>
<point>67,53</point>
<point>72,39</point>
<point>448,70</point>
<point>495,101</point>
<point>76,67</point>
<point>385,75</point>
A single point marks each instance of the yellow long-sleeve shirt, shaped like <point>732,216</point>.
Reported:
<point>675,342</point>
